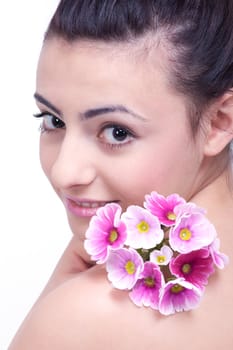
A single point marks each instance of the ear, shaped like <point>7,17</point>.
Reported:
<point>220,130</point>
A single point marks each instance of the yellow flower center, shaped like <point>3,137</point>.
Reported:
<point>171,216</point>
<point>185,234</point>
<point>161,259</point>
<point>186,268</point>
<point>143,227</point>
<point>149,282</point>
<point>177,288</point>
<point>130,267</point>
<point>113,235</point>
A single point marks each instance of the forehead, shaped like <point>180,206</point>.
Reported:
<point>95,72</point>
<point>95,55</point>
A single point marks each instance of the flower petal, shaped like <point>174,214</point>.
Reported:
<point>124,267</point>
<point>143,228</point>
<point>105,231</point>
<point>179,295</point>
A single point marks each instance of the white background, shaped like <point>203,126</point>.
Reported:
<point>33,227</point>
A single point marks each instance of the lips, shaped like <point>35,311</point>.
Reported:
<point>83,207</point>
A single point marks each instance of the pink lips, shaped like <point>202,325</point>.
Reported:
<point>83,208</point>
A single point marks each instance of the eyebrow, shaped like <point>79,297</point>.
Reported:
<point>109,109</point>
<point>45,102</point>
<point>91,113</point>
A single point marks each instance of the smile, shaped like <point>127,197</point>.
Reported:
<point>90,204</point>
<point>83,208</point>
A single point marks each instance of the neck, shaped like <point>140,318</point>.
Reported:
<point>217,199</point>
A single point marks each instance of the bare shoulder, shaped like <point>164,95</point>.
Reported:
<point>83,313</point>
<point>87,313</point>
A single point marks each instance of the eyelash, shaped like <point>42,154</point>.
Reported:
<point>43,127</point>
<point>107,126</point>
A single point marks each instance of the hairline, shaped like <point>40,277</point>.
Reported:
<point>143,46</point>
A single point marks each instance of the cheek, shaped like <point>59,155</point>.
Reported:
<point>167,169</point>
<point>133,177</point>
<point>47,157</point>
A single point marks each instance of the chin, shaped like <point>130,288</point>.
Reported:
<point>78,227</point>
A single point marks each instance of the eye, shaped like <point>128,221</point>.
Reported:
<point>115,135</point>
<point>50,122</point>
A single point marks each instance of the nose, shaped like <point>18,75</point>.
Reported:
<point>73,164</point>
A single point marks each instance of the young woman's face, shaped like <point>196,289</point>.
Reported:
<point>112,129</point>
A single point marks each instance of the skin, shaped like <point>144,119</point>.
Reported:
<point>83,160</point>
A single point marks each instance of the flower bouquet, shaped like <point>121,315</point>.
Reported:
<point>162,253</point>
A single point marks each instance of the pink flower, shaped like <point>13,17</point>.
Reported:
<point>191,232</point>
<point>124,267</point>
<point>143,228</point>
<point>106,231</point>
<point>188,208</point>
<point>146,290</point>
<point>219,259</point>
<point>194,267</point>
<point>162,256</point>
<point>179,295</point>
<point>163,207</point>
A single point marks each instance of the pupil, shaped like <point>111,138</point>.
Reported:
<point>119,134</point>
<point>57,122</point>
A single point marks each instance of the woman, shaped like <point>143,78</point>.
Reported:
<point>135,96</point>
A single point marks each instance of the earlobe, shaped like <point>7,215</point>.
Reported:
<point>220,131</point>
